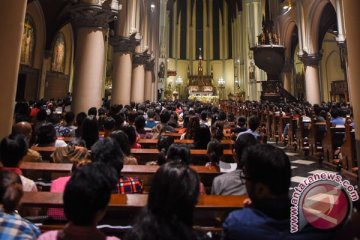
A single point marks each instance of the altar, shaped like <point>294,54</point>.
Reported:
<point>200,84</point>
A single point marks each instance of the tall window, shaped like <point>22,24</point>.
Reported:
<point>58,57</point>
<point>28,42</point>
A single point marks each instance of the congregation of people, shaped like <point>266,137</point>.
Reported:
<point>100,143</point>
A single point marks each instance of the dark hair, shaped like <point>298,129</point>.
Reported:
<point>80,117</point>
<point>179,153</point>
<point>165,116</point>
<point>202,137</point>
<point>10,190</point>
<point>12,150</point>
<point>150,113</point>
<point>269,165</point>
<point>243,141</point>
<point>241,121</point>
<point>254,122</point>
<point>87,192</point>
<point>171,203</point>
<point>203,115</point>
<point>92,111</point>
<point>131,133</point>
<point>222,116</point>
<point>109,123</point>
<point>132,116</point>
<point>217,130</point>
<point>69,117</point>
<point>140,124</point>
<point>46,134</point>
<point>41,115</point>
<point>89,131</point>
<point>108,151</point>
<point>163,145</point>
<point>122,139</point>
<point>215,151</point>
<point>192,127</point>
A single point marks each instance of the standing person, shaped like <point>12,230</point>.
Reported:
<point>168,214</point>
<point>12,225</point>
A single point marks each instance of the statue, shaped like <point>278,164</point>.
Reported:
<point>252,71</point>
<point>162,70</point>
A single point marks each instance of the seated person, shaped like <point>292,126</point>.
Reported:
<point>241,125</point>
<point>86,197</point>
<point>140,127</point>
<point>163,126</point>
<point>217,131</point>
<point>163,146</point>
<point>108,126</point>
<point>267,172</point>
<point>89,131</point>
<point>150,122</point>
<point>230,183</point>
<point>46,137</point>
<point>25,129</point>
<point>202,137</point>
<point>12,150</point>
<point>12,225</point>
<point>254,123</point>
<point>215,151</point>
<point>171,204</point>
<point>109,152</point>
<point>123,141</point>
<point>336,117</point>
<point>132,136</point>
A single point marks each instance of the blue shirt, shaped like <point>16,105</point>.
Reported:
<point>250,224</point>
<point>12,226</point>
<point>150,124</point>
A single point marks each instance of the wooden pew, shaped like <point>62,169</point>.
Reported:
<point>348,150</point>
<point>211,210</point>
<point>332,139</point>
<point>143,172</point>
<point>152,143</point>
<point>316,136</point>
<point>302,135</point>
<point>283,121</point>
<point>292,133</point>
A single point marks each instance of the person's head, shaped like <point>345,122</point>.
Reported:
<point>254,122</point>
<point>165,116</point>
<point>243,141</point>
<point>109,124</point>
<point>131,133</point>
<point>215,151</point>
<point>108,152</point>
<point>92,111</point>
<point>231,117</point>
<point>123,141</point>
<point>41,116</point>
<point>202,137</point>
<point>69,118</point>
<point>11,191</point>
<point>203,115</point>
<point>222,116</point>
<point>12,150</point>
<point>131,117</point>
<point>46,134</point>
<point>151,114</point>
<point>267,172</point>
<point>174,193</point>
<point>241,121</point>
<point>217,130</point>
<point>140,124</point>
<point>163,145</point>
<point>178,153</point>
<point>23,128</point>
<point>89,131</point>
<point>80,117</point>
<point>87,194</point>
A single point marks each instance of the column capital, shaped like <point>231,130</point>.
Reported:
<point>85,15</point>
<point>125,44</point>
<point>141,58</point>
<point>149,65</point>
<point>311,59</point>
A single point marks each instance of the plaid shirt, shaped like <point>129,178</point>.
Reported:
<point>12,226</point>
<point>129,185</point>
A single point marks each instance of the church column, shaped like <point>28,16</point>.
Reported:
<point>312,83</point>
<point>123,48</point>
<point>138,77</point>
<point>287,72</point>
<point>351,20</point>
<point>90,22</point>
<point>12,25</point>
<point>149,88</point>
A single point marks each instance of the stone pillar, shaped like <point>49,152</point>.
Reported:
<point>339,17</point>
<point>352,19</point>
<point>138,77</point>
<point>90,22</point>
<point>312,83</point>
<point>123,47</point>
<point>149,69</point>
<point>12,25</point>
<point>287,74</point>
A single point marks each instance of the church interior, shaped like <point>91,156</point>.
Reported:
<point>290,64</point>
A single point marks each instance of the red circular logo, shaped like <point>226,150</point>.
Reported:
<point>325,206</point>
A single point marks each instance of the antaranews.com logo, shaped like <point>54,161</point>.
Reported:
<point>323,200</point>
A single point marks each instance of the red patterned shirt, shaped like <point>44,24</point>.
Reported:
<point>129,185</point>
